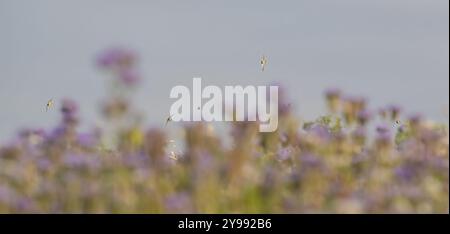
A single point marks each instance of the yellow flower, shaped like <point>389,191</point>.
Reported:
<point>136,137</point>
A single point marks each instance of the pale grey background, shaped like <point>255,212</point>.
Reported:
<point>388,50</point>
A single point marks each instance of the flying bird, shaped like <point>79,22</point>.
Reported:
<point>263,62</point>
<point>173,156</point>
<point>48,105</point>
<point>168,120</point>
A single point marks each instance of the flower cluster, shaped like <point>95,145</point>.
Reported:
<point>352,160</point>
<point>121,62</point>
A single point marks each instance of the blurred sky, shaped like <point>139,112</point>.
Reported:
<point>392,51</point>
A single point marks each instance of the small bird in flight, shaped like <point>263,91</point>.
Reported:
<point>173,156</point>
<point>263,62</point>
<point>168,120</point>
<point>49,105</point>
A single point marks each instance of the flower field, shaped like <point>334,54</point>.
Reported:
<point>353,159</point>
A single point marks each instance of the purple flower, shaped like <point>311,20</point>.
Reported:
<point>25,133</point>
<point>332,93</point>
<point>108,58</point>
<point>87,139</point>
<point>39,132</point>
<point>81,161</point>
<point>363,116</point>
<point>415,120</point>
<point>384,136</point>
<point>320,131</point>
<point>116,58</point>
<point>382,129</point>
<point>394,111</point>
<point>205,161</point>
<point>139,160</point>
<point>405,172</point>
<point>178,203</point>
<point>359,135</point>
<point>69,110</point>
<point>359,132</point>
<point>69,107</point>
<point>284,153</point>
<point>6,194</point>
<point>25,204</point>
<point>129,77</point>
<point>43,164</point>
<point>351,107</point>
<point>284,106</point>
<point>57,133</point>
<point>309,160</point>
